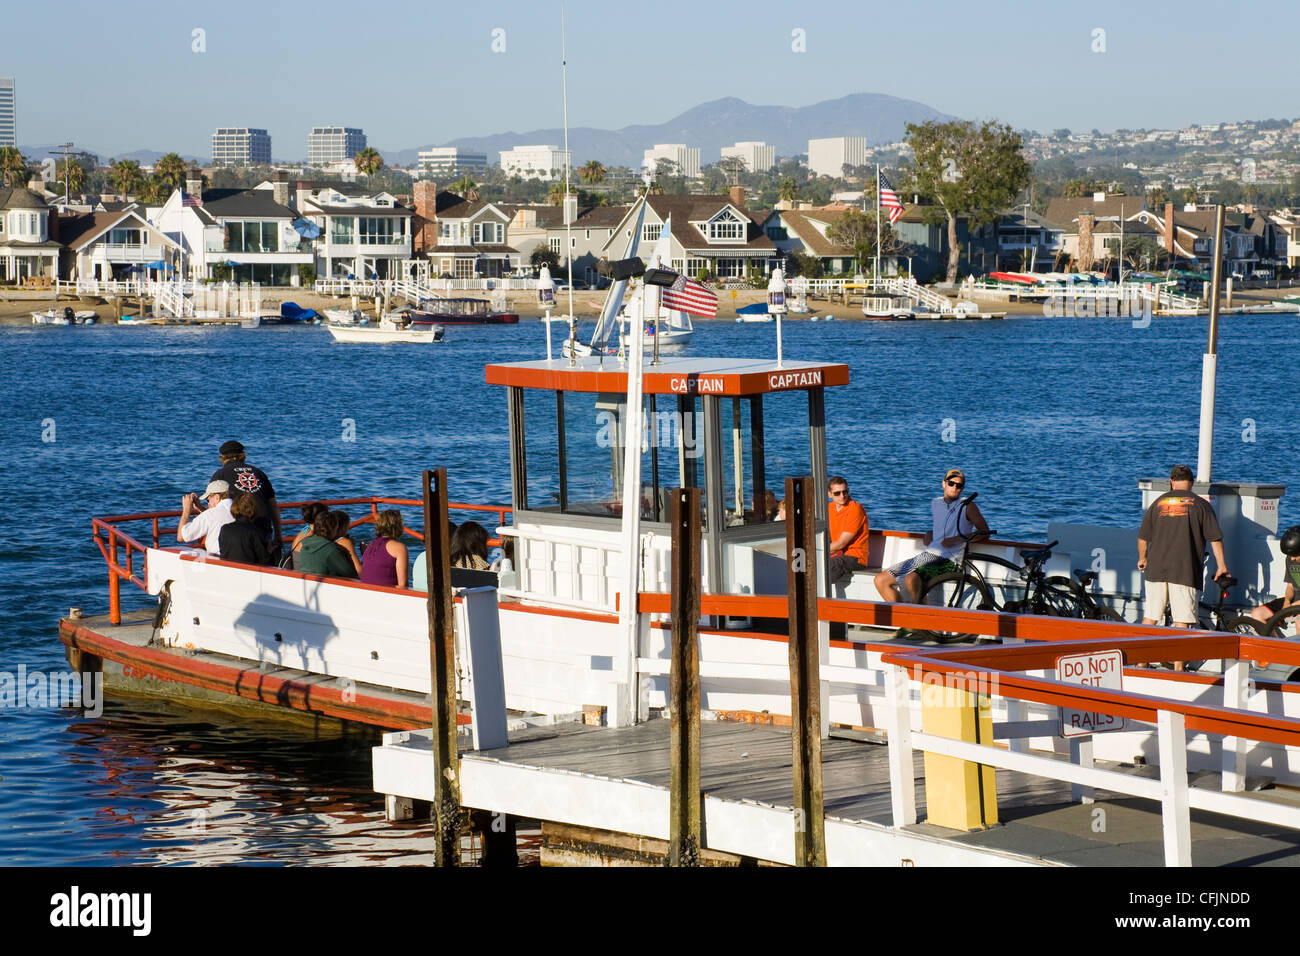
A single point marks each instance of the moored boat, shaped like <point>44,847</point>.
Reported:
<point>390,329</point>
<point>463,311</point>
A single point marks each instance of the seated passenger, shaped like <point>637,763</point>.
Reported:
<point>385,559</point>
<point>242,540</point>
<point>1290,547</point>
<point>848,532</point>
<point>469,547</point>
<point>420,570</point>
<point>311,512</point>
<point>207,524</point>
<point>318,553</point>
<point>343,540</point>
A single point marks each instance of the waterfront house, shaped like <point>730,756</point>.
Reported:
<point>713,233</point>
<point>1287,223</point>
<point>462,238</point>
<point>27,249</point>
<point>364,233</point>
<point>113,244</point>
<point>588,230</point>
<point>249,231</point>
<point>806,231</point>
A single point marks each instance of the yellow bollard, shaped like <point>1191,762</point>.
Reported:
<point>959,794</point>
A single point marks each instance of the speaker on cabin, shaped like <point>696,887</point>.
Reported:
<point>624,269</point>
<point>661,277</point>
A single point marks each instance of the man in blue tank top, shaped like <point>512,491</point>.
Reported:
<point>951,523</point>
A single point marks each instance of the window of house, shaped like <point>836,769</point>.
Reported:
<point>378,230</point>
<point>124,237</point>
<point>341,230</point>
<point>488,232</point>
<point>464,269</point>
<point>651,231</point>
<point>554,244</point>
<point>726,226</point>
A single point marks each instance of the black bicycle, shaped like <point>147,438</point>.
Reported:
<point>1213,617</point>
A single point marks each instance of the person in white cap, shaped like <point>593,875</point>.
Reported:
<point>206,524</point>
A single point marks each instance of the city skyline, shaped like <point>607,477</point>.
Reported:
<point>1030,66</point>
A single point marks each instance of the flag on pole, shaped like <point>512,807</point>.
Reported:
<point>889,200</point>
<point>190,200</point>
<point>693,298</point>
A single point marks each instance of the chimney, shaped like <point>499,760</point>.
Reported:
<point>193,182</point>
<point>280,187</point>
<point>737,196</point>
<point>1098,197</point>
<point>1084,258</point>
<point>1169,227</point>
<point>424,224</point>
<point>570,209</point>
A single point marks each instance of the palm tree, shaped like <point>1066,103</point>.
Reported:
<point>592,172</point>
<point>466,188</point>
<point>787,190</point>
<point>13,168</point>
<point>75,174</point>
<point>127,178</point>
<point>170,172</point>
<point>556,195</point>
<point>368,161</point>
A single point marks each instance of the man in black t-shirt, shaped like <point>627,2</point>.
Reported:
<point>243,477</point>
<point>1171,550</point>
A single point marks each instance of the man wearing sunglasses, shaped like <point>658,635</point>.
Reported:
<point>951,523</point>
<point>848,528</point>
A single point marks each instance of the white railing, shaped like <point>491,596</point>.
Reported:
<point>98,286</point>
<point>918,293</point>
<point>170,298</point>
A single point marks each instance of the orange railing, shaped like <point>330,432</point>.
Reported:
<point>120,547</point>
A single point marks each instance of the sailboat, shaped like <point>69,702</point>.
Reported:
<point>673,327</point>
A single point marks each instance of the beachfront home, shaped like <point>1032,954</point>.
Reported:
<point>253,233</point>
<point>363,233</point>
<point>710,233</point>
<point>26,247</point>
<point>114,244</point>
<point>588,230</point>
<point>807,232</point>
<point>1288,225</point>
<point>462,238</point>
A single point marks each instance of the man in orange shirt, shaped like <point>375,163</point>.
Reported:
<point>848,527</point>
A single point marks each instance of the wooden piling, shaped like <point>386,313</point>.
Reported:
<point>686,826</point>
<point>442,667</point>
<point>805,672</point>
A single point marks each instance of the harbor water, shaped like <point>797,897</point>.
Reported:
<point>1051,419</point>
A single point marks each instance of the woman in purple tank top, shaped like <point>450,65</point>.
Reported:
<point>385,559</point>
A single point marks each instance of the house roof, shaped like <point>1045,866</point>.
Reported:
<point>19,197</point>
<point>362,210</point>
<point>801,223</point>
<point>552,217</point>
<point>1063,212</point>
<point>450,206</point>
<point>688,209</point>
<point>236,203</point>
<point>79,231</point>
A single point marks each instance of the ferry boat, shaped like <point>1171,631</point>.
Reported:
<point>464,311</point>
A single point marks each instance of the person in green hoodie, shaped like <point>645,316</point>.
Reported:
<point>318,554</point>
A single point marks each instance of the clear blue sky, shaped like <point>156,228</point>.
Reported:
<point>120,76</point>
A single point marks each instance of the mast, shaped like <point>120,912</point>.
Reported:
<point>875,266</point>
<point>564,205</point>
<point>1210,360</point>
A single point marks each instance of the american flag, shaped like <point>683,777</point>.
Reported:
<point>693,298</point>
<point>188,199</point>
<point>889,200</point>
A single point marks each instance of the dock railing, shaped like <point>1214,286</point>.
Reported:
<point>124,551</point>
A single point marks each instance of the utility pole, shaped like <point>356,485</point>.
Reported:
<point>66,162</point>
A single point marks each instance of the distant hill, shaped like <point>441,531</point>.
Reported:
<point>145,157</point>
<point>710,126</point>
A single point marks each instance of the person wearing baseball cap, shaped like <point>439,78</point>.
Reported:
<point>243,477</point>
<point>206,524</point>
<point>953,520</point>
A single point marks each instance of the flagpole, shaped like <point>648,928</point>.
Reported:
<point>875,271</point>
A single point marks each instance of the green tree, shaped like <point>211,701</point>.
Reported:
<point>733,167</point>
<point>810,267</point>
<point>13,168</point>
<point>857,231</point>
<point>1080,188</point>
<point>544,256</point>
<point>368,161</point>
<point>965,169</point>
<point>75,176</point>
<point>170,171</point>
<point>788,190</point>
<point>593,171</point>
<point>126,177</point>
<point>466,188</point>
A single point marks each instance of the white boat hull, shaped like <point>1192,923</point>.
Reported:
<point>49,317</point>
<point>377,334</point>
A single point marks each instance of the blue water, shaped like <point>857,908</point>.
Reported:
<point>1050,419</point>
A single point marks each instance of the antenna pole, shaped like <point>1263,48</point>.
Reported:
<point>564,206</point>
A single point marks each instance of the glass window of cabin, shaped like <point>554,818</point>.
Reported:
<point>787,446</point>
<point>541,450</point>
<point>749,493</point>
<point>595,429</point>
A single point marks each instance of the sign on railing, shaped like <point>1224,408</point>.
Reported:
<point>1099,669</point>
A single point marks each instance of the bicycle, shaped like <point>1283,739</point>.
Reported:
<point>1041,593</point>
<point>1214,618</point>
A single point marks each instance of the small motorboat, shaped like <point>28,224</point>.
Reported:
<point>55,316</point>
<point>883,307</point>
<point>393,327</point>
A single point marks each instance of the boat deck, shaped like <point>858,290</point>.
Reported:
<point>617,780</point>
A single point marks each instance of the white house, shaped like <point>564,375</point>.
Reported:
<point>26,248</point>
<point>119,244</point>
<point>365,234</point>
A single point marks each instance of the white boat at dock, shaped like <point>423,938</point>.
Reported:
<point>65,316</point>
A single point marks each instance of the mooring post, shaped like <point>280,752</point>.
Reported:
<point>442,670</point>
<point>805,673</point>
<point>685,829</point>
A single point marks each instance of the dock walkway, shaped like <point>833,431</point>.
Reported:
<point>607,779</point>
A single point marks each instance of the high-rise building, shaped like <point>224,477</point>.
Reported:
<point>442,160</point>
<point>332,144</point>
<point>828,157</point>
<point>534,162</point>
<point>758,157</point>
<point>8,112</point>
<point>686,158</point>
<point>240,146</point>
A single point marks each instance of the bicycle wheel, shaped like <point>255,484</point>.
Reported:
<point>1281,622</point>
<point>956,590</point>
<point>1091,609</point>
<point>1056,598</point>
